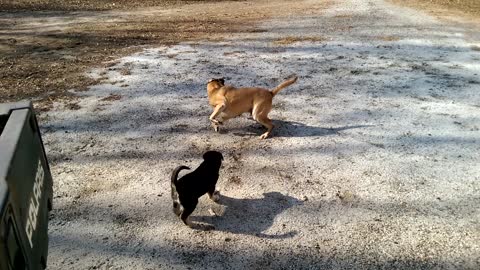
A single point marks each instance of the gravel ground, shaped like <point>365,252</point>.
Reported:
<point>373,162</point>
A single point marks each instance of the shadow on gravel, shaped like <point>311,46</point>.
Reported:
<point>289,129</point>
<point>252,216</point>
<point>194,256</point>
<point>296,129</point>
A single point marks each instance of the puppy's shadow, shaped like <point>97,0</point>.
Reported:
<point>252,216</point>
<point>293,129</point>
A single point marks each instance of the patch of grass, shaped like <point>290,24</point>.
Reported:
<point>235,180</point>
<point>343,16</point>
<point>233,53</point>
<point>34,67</point>
<point>311,112</point>
<point>470,7</point>
<point>124,71</point>
<point>281,106</point>
<point>292,40</point>
<point>389,38</point>
<point>73,106</point>
<point>111,98</point>
<point>87,5</point>
<point>45,54</point>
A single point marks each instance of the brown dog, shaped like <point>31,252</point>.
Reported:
<point>229,102</point>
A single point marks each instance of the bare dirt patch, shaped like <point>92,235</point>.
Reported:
<point>44,53</point>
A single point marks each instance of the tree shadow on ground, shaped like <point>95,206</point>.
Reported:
<point>255,215</point>
<point>193,256</point>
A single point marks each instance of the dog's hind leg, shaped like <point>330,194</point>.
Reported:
<point>187,211</point>
<point>185,218</point>
<point>266,122</point>
<point>260,114</point>
<point>214,195</point>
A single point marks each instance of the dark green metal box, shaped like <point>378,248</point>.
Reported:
<point>25,190</point>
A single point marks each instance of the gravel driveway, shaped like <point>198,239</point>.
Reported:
<point>373,163</point>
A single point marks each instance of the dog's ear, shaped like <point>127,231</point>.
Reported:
<point>220,81</point>
<point>212,155</point>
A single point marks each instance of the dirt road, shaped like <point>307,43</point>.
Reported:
<point>373,162</point>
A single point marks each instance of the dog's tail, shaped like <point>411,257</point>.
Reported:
<point>177,206</point>
<point>283,85</point>
<point>176,172</point>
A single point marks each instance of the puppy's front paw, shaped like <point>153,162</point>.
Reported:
<point>215,196</point>
<point>189,223</point>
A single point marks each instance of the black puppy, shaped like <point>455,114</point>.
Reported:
<point>187,190</point>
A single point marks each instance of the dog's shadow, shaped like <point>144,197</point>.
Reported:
<point>292,129</point>
<point>251,216</point>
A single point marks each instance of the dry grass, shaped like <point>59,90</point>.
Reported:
<point>468,7</point>
<point>389,38</point>
<point>31,66</point>
<point>45,64</point>
<point>111,97</point>
<point>292,40</point>
<point>42,63</point>
<point>83,5</point>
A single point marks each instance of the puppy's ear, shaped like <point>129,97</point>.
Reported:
<point>212,155</point>
<point>222,81</point>
<point>207,155</point>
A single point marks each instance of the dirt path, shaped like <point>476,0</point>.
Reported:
<point>373,162</point>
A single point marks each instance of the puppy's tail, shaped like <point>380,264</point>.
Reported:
<point>176,172</point>
<point>283,85</point>
<point>177,206</point>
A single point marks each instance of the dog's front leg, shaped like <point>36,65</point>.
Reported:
<point>218,109</point>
